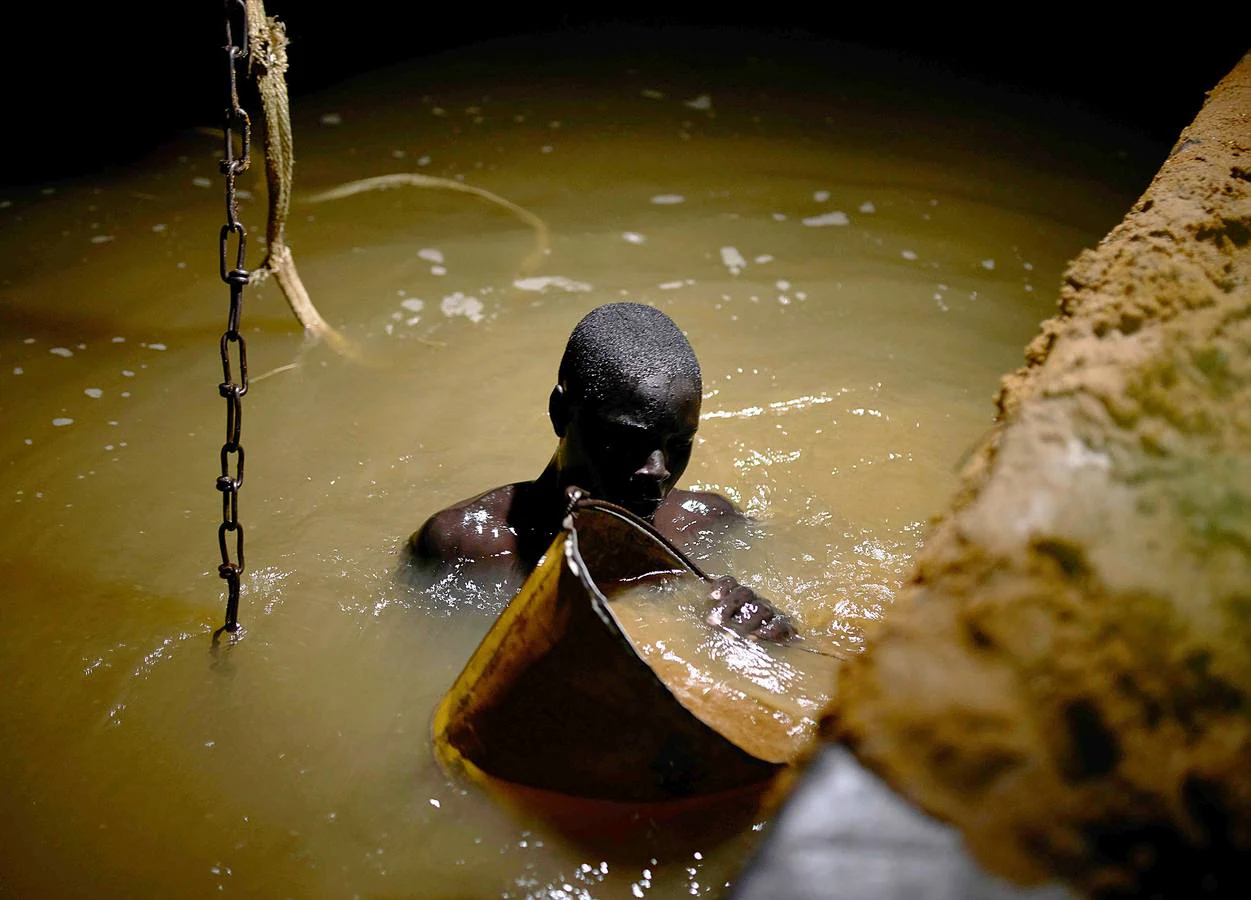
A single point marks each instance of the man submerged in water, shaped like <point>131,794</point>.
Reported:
<point>625,409</point>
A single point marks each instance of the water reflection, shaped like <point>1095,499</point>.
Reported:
<point>781,687</point>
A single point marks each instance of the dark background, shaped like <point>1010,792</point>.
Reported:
<point>92,89</point>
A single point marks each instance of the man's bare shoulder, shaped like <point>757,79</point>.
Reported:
<point>683,510</point>
<point>707,503</point>
<point>471,529</point>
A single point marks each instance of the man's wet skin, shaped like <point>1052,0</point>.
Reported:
<point>625,412</point>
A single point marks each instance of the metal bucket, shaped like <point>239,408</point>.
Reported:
<point>557,697</point>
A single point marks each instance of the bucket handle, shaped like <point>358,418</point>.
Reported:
<point>580,499</point>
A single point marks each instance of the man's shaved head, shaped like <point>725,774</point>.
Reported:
<point>626,408</point>
<point>622,345</point>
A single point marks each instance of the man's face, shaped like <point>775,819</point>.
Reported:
<point>633,449</point>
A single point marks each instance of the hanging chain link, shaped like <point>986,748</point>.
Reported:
<point>236,277</point>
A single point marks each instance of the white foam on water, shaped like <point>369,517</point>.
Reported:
<point>201,182</point>
<point>821,196</point>
<point>733,260</point>
<point>668,199</point>
<point>101,238</point>
<point>703,102</point>
<point>908,254</point>
<point>988,265</point>
<point>831,218</point>
<point>331,119</point>
<point>632,237</point>
<point>460,304</point>
<point>430,254</point>
<point>412,304</point>
<point>541,283</point>
<point>61,351</point>
<point>93,393</point>
<point>868,207</point>
<point>62,421</point>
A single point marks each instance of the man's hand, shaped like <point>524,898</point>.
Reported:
<point>742,610</point>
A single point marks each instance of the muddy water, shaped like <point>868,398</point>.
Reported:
<point>856,251</point>
<point>775,692</point>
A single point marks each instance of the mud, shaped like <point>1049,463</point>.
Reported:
<point>1066,677</point>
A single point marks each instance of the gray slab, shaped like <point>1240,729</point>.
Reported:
<point>844,834</point>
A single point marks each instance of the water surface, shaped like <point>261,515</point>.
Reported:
<point>857,252</point>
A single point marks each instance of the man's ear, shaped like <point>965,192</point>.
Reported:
<point>558,410</point>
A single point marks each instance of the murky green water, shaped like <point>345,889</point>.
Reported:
<point>855,257</point>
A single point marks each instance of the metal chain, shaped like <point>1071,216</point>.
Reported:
<point>237,278</point>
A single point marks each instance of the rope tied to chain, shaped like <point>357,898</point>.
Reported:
<point>262,44</point>
<point>267,64</point>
